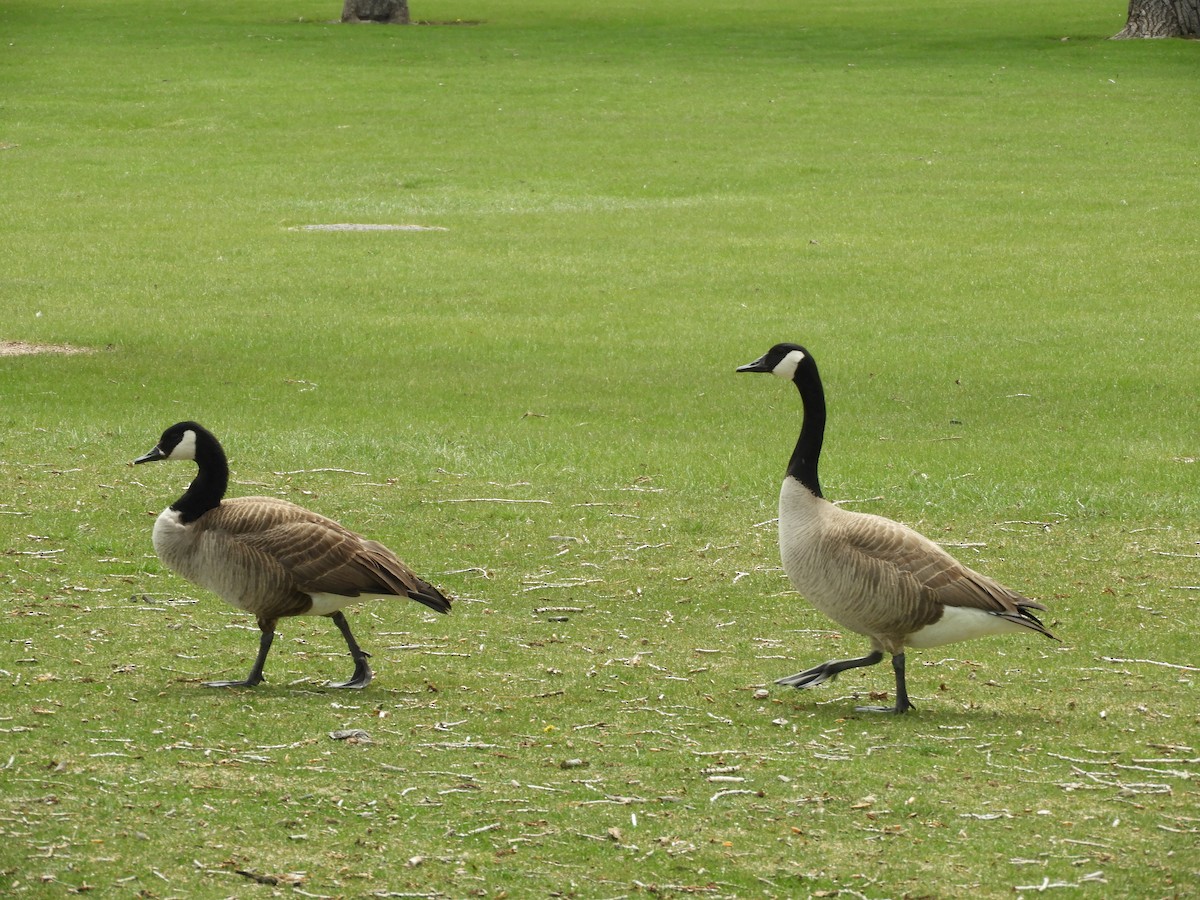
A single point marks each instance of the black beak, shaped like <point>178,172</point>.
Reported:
<point>153,456</point>
<point>759,365</point>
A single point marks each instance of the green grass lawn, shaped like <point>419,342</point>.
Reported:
<point>979,216</point>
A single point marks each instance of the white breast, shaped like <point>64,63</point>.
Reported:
<point>190,555</point>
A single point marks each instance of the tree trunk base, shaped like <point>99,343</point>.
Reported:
<point>388,12</point>
<point>1161,19</point>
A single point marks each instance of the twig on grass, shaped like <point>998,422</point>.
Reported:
<point>547,585</point>
<point>480,569</point>
<point>1045,526</point>
<point>1170,773</point>
<point>615,799</point>
<point>599,838</point>
<point>729,793</point>
<point>480,830</point>
<point>1099,844</point>
<point>485,500</point>
<point>314,471</point>
<point>1150,662</point>
<point>1047,884</point>
<point>1125,788</point>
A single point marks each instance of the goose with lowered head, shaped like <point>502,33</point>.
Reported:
<point>869,574</point>
<point>270,557</point>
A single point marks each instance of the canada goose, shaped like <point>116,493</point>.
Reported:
<point>271,557</point>
<point>869,574</point>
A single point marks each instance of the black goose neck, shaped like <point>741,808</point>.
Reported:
<point>803,464</point>
<point>206,491</point>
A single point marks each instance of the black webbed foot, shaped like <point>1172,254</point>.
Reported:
<point>245,682</point>
<point>827,671</point>
<point>362,675</point>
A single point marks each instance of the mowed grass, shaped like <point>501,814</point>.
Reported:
<point>980,217</point>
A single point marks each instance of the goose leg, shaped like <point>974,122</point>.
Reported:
<point>362,669</point>
<point>827,671</point>
<point>256,671</point>
<point>902,703</point>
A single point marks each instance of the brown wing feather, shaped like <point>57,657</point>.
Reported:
<point>319,555</point>
<point>938,578</point>
<point>885,595</point>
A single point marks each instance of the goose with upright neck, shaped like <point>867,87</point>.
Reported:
<point>872,575</point>
<point>271,557</point>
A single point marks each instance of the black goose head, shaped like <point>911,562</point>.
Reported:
<point>177,442</point>
<point>785,360</point>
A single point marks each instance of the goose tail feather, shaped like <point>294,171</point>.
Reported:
<point>430,596</point>
<point>1024,617</point>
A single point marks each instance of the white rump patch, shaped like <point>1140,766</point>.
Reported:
<point>328,604</point>
<point>961,623</point>
<point>786,368</point>
<point>186,448</point>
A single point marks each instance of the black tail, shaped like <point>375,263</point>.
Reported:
<point>426,593</point>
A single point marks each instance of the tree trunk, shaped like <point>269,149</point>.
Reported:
<point>390,12</point>
<point>1161,19</point>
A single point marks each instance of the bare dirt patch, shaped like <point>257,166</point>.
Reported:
<point>24,348</point>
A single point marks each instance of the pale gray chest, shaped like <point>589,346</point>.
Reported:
<point>802,527</point>
<point>175,544</point>
<point>191,552</point>
<point>813,563</point>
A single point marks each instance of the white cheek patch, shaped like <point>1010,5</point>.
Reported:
<point>786,368</point>
<point>186,448</point>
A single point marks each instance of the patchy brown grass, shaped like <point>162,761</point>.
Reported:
<point>24,348</point>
